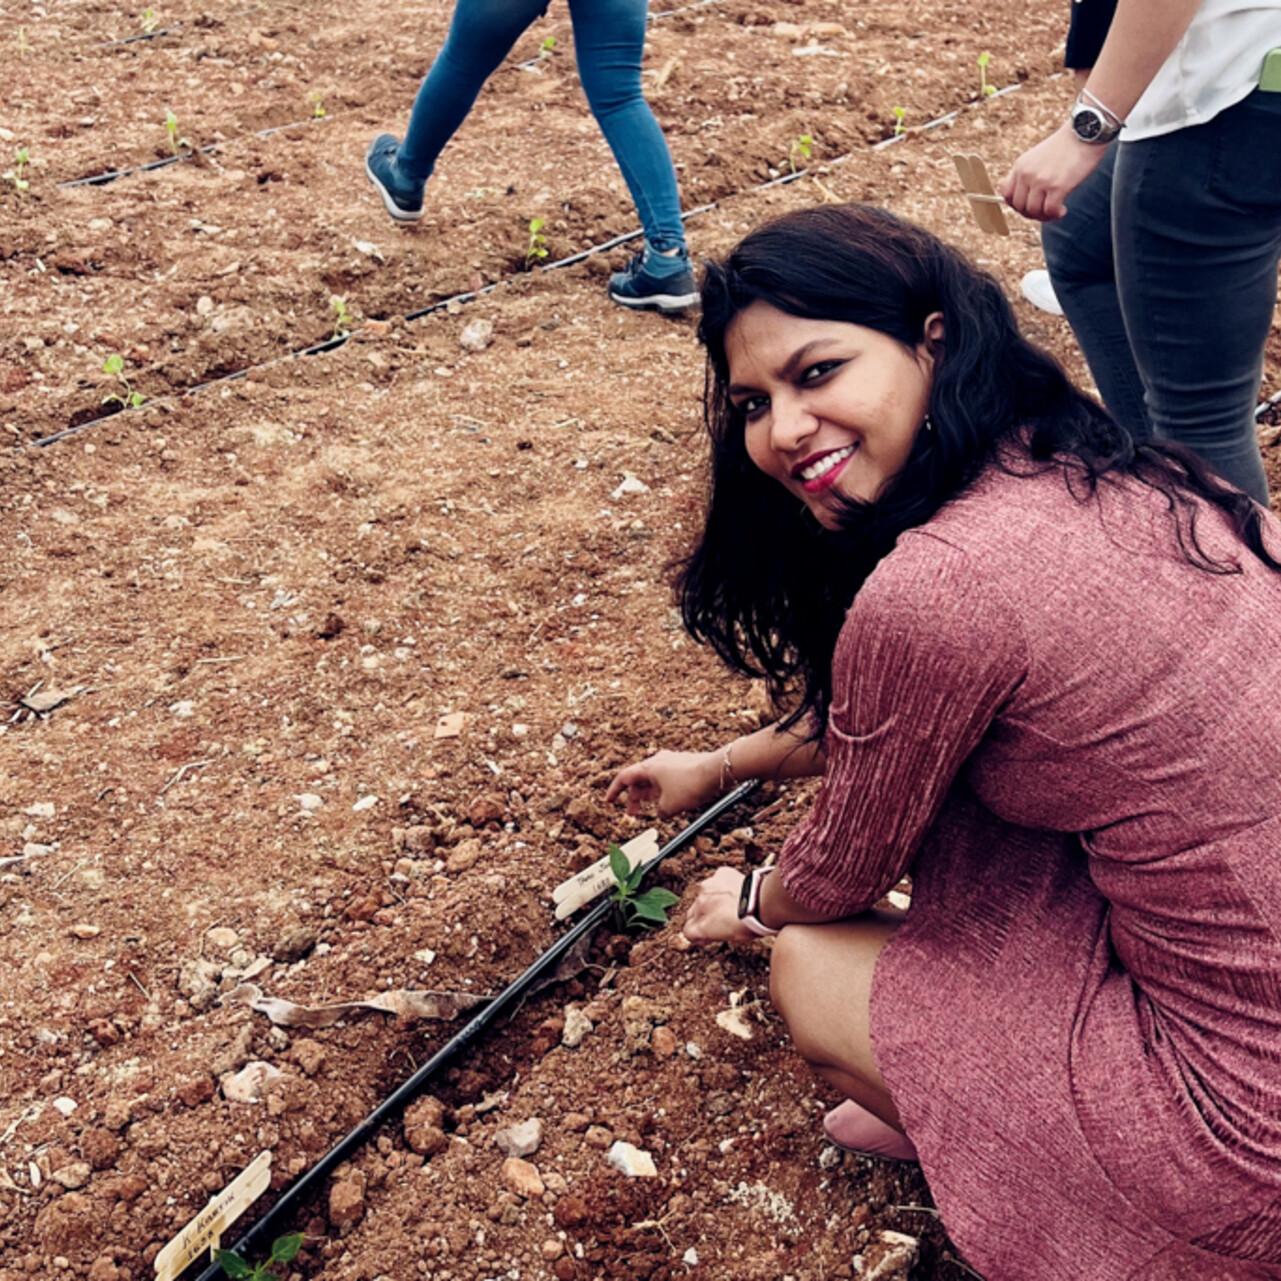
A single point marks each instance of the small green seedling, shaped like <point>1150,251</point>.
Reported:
<point>899,127</point>
<point>537,247</point>
<point>149,22</point>
<point>126,397</point>
<point>283,1250</point>
<point>547,48</point>
<point>985,90</point>
<point>637,910</point>
<point>802,149</point>
<point>21,159</point>
<point>176,142</point>
<point>344,322</point>
<point>317,107</point>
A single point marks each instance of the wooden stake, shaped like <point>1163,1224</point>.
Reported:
<point>984,202</point>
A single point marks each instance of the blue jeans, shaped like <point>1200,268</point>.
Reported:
<point>609,43</point>
<point>1166,267</point>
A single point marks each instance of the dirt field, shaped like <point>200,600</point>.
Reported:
<point>237,614</point>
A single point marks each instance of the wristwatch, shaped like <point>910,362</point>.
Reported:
<point>749,902</point>
<point>1093,122</point>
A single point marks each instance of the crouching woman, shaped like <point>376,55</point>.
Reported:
<point>1037,668</point>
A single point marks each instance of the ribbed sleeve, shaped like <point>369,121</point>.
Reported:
<point>929,652</point>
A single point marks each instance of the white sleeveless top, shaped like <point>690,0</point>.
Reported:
<point>1213,67</point>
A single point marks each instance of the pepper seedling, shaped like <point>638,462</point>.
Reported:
<point>343,319</point>
<point>650,908</point>
<point>126,398</point>
<point>548,47</point>
<point>176,143</point>
<point>21,159</point>
<point>985,90</point>
<point>899,127</point>
<point>283,1250</point>
<point>537,247</point>
<point>149,22</point>
<point>317,107</point>
<point>802,147</point>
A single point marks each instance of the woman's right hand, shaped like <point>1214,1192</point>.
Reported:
<point>670,782</point>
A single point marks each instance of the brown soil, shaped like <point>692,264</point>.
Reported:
<point>273,589</point>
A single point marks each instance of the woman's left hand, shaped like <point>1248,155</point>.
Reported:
<point>713,918</point>
<point>1043,177</point>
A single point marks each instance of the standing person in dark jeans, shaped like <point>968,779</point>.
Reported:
<point>1167,267</point>
<point>609,42</point>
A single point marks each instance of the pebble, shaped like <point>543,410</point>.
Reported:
<point>522,1178</point>
<point>41,809</point>
<point>65,1105</point>
<point>629,485</point>
<point>577,1026</point>
<point>889,1257</point>
<point>477,334</point>
<point>663,1042</point>
<point>247,1085</point>
<point>347,1201</point>
<point>33,849</point>
<point>309,802</point>
<point>85,931</point>
<point>634,1162</point>
<point>553,1248</point>
<point>222,938</point>
<point>365,803</point>
<point>73,1176</point>
<point>520,1140</point>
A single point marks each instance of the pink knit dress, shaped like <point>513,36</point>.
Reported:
<point>1072,739</point>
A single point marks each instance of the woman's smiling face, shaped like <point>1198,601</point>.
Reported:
<point>829,408</point>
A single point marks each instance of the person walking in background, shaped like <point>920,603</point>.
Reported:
<point>1166,265</point>
<point>609,43</point>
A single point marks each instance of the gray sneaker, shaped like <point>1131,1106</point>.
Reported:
<point>402,196</point>
<point>654,282</point>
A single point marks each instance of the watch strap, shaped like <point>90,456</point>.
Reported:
<point>750,900</point>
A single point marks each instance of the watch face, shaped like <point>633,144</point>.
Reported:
<point>1087,123</point>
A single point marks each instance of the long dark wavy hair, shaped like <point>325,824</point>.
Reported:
<point>766,586</point>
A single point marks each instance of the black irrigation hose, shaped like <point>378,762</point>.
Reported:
<point>391,1107</point>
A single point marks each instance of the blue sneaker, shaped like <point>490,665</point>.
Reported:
<point>652,281</point>
<point>402,196</point>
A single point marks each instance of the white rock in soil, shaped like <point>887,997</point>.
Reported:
<point>634,1162</point>
<point>630,485</point>
<point>733,1022</point>
<point>41,809</point>
<point>365,803</point>
<point>65,1105</point>
<point>75,1175</point>
<point>309,802</point>
<point>690,1257</point>
<point>222,938</point>
<point>247,1085</point>
<point>477,334</point>
<point>204,305</point>
<point>520,1140</point>
<point>33,849</point>
<point>183,709</point>
<point>577,1026</point>
<point>889,1257</point>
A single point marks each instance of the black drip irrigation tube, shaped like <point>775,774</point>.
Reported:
<point>395,1103</point>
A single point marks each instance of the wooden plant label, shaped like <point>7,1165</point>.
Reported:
<point>206,1229</point>
<point>593,881</point>
<point>985,204</point>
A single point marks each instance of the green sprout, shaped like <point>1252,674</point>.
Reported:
<point>802,148</point>
<point>343,319</point>
<point>899,127</point>
<point>985,89</point>
<point>637,910</point>
<point>176,143</point>
<point>21,159</point>
<point>126,397</point>
<point>283,1250</point>
<point>537,247</point>
<point>149,21</point>
<point>547,48</point>
<point>317,107</point>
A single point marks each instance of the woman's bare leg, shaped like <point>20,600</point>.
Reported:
<point>821,983</point>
